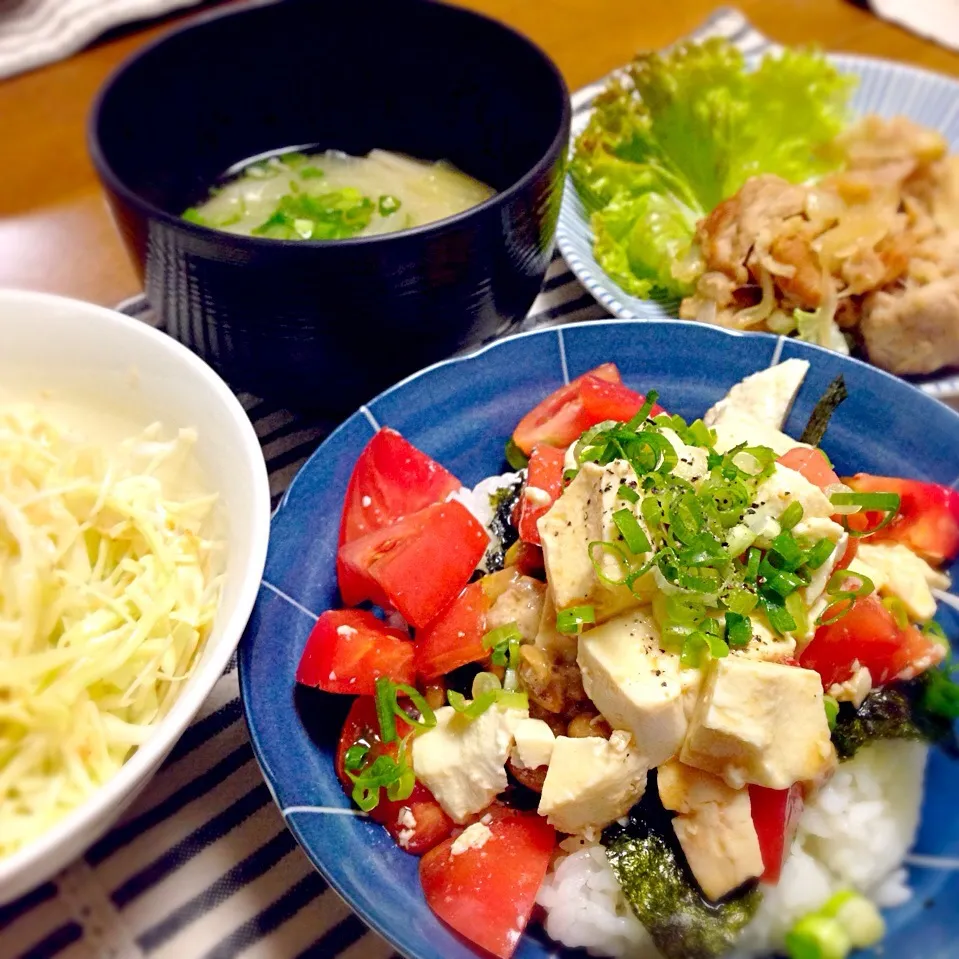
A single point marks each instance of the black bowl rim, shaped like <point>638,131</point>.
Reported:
<point>557,148</point>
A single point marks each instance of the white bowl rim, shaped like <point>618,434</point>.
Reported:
<point>171,727</point>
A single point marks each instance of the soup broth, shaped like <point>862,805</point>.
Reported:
<point>331,196</point>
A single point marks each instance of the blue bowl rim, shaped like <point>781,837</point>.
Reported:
<point>558,147</point>
<point>340,888</point>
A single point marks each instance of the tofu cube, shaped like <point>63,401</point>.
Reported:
<point>905,575</point>
<point>766,396</point>
<point>462,761</point>
<point>714,827</point>
<point>759,722</point>
<point>534,742</point>
<point>592,781</point>
<point>635,683</point>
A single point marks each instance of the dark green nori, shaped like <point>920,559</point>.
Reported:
<point>651,869</point>
<point>828,403</point>
<point>501,526</point>
<point>890,712</point>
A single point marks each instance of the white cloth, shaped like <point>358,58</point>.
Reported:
<point>37,32</point>
<point>936,20</point>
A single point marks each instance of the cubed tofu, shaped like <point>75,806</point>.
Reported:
<point>855,689</point>
<point>592,781</point>
<point>714,827</point>
<point>905,575</point>
<point>635,683</point>
<point>534,742</point>
<point>733,427</point>
<point>583,514</point>
<point>766,396</point>
<point>462,761</point>
<point>759,722</point>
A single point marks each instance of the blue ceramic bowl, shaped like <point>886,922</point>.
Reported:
<point>886,426</point>
<point>328,324</point>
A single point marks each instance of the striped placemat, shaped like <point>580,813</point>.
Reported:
<point>202,866</point>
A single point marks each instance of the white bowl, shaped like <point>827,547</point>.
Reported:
<point>96,356</point>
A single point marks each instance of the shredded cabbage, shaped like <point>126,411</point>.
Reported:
<point>106,597</point>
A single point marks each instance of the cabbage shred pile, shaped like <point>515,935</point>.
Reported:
<point>106,597</point>
<point>677,133</point>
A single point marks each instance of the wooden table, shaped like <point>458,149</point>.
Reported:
<point>56,235</point>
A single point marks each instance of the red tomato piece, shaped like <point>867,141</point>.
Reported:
<point>420,563</point>
<point>424,824</point>
<point>529,560</point>
<point>868,634</point>
<point>812,464</point>
<point>776,814</point>
<point>852,550</point>
<point>455,637</point>
<point>560,418</point>
<point>604,400</point>
<point>390,480</point>
<point>544,483</point>
<point>349,649</point>
<point>928,517</point>
<point>486,893</point>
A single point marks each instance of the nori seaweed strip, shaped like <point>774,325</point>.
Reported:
<point>828,403</point>
<point>501,527</point>
<point>652,871</point>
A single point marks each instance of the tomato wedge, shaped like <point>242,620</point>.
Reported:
<point>604,400</point>
<point>349,649</point>
<point>544,483</point>
<point>810,463</point>
<point>417,823</point>
<point>928,517</point>
<point>560,418</point>
<point>420,563</point>
<point>455,637</point>
<point>868,634</point>
<point>487,892</point>
<point>776,814</point>
<point>390,480</point>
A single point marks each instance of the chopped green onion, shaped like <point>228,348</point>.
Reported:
<point>775,609</point>
<point>627,493</point>
<point>569,475</point>
<point>385,704</point>
<point>740,601</point>
<point>614,550</point>
<point>739,629</point>
<point>843,598</point>
<point>388,205</point>
<point>311,172</point>
<point>383,772</point>
<point>484,682</point>
<point>471,710</point>
<point>402,788</point>
<point>816,937</point>
<point>427,718</point>
<point>932,630</point>
<point>753,558</point>
<point>632,532</point>
<point>501,634</point>
<point>643,412</point>
<point>831,705</point>
<point>887,503</point>
<point>796,607</point>
<point>819,553</point>
<point>783,583</point>
<point>700,645</point>
<point>570,620</point>
<point>515,456</point>
<point>193,215</point>
<point>792,514</point>
<point>898,609</point>
<point>356,756</point>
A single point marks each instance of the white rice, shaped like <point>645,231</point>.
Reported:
<point>855,833</point>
